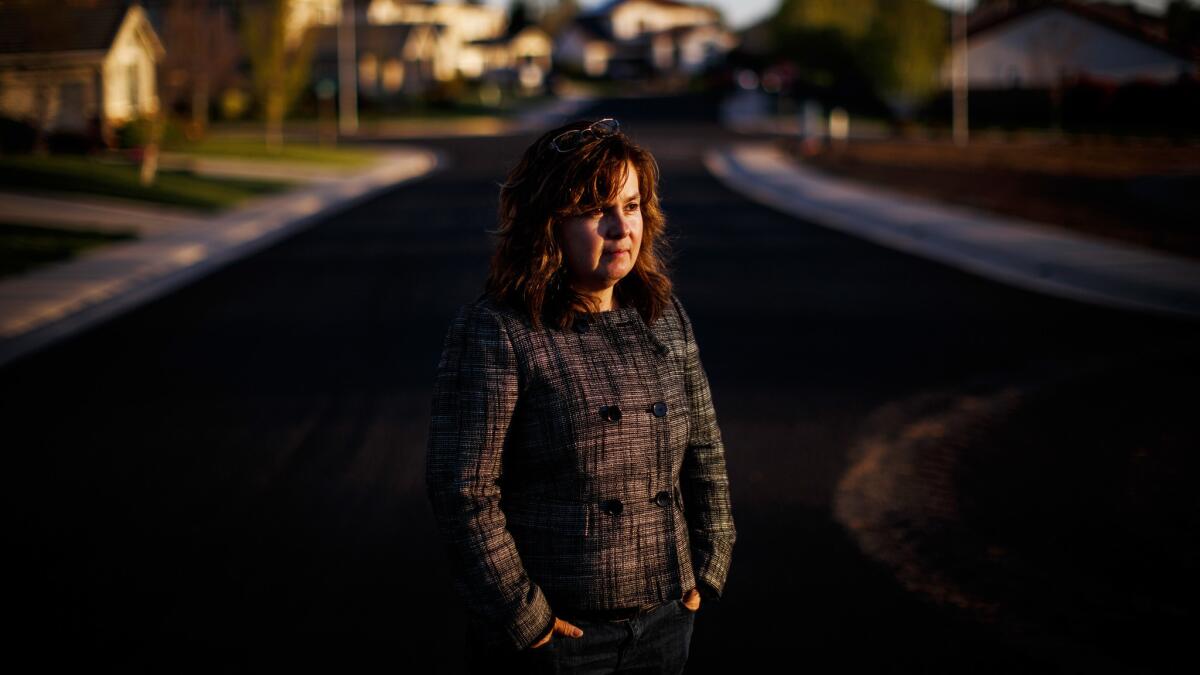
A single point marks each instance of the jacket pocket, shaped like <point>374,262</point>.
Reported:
<point>565,517</point>
<point>552,538</point>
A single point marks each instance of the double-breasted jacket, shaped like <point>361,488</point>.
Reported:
<point>575,469</point>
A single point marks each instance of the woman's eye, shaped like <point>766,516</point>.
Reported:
<point>632,207</point>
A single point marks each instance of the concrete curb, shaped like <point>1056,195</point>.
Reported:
<point>50,304</point>
<point>1028,255</point>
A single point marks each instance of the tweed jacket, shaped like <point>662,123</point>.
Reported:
<point>575,469</point>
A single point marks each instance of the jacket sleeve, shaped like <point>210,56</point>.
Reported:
<point>704,481</point>
<point>475,394</point>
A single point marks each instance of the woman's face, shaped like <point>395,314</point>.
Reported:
<point>602,246</point>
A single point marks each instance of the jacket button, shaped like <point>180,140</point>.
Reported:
<point>613,507</point>
<point>659,409</point>
<point>663,498</point>
<point>612,413</point>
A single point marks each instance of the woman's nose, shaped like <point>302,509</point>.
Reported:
<point>619,225</point>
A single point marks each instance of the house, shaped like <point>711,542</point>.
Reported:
<point>522,58</point>
<point>631,38</point>
<point>467,21</point>
<point>393,59</point>
<point>305,13</point>
<point>475,42</point>
<point>1022,45</point>
<point>586,45</point>
<point>86,68</point>
<point>406,46</point>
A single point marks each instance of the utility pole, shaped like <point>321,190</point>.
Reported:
<point>347,71</point>
<point>962,131</point>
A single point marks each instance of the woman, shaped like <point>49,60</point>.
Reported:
<point>575,466</point>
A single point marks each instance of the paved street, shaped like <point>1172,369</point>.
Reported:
<point>233,473</point>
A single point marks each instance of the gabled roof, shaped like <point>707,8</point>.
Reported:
<point>76,25</point>
<point>1124,19</point>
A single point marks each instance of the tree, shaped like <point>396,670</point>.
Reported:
<point>904,50</point>
<point>1183,22</point>
<point>821,38</point>
<point>891,48</point>
<point>554,20</point>
<point>850,18</point>
<point>202,53</point>
<point>518,16</point>
<point>279,60</point>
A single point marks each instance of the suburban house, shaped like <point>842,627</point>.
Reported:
<point>1020,45</point>
<point>86,68</point>
<point>393,59</point>
<point>469,21</point>
<point>521,58</point>
<point>475,42</point>
<point>631,38</point>
<point>305,13</point>
<point>405,47</point>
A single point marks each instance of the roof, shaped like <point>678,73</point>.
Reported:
<point>1124,19</point>
<point>593,25</point>
<point>493,41</point>
<point>70,25</point>
<point>680,31</point>
<point>383,38</point>
<point>610,5</point>
<point>595,22</point>
<point>509,36</point>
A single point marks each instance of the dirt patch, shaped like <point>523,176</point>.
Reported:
<point>1059,508</point>
<point>1135,192</point>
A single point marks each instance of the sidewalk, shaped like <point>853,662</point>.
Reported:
<point>752,113</point>
<point>92,212</point>
<point>59,300</point>
<point>1028,255</point>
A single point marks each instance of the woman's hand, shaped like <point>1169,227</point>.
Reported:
<point>562,628</point>
<point>691,600</point>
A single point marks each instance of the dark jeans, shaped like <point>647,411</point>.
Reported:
<point>656,642</point>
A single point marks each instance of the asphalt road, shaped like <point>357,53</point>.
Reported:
<point>230,478</point>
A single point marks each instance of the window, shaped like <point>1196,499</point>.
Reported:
<point>368,73</point>
<point>393,75</point>
<point>131,73</point>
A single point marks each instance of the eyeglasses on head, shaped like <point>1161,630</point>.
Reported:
<point>571,140</point>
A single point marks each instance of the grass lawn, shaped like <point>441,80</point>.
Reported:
<point>1138,192</point>
<point>24,247</point>
<point>468,107</point>
<point>217,145</point>
<point>118,179</point>
<point>435,114</point>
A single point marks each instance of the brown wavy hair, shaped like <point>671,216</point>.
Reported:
<point>528,268</point>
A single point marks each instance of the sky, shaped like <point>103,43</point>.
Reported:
<point>742,13</point>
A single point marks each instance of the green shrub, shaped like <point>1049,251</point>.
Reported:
<point>136,132</point>
<point>16,135</point>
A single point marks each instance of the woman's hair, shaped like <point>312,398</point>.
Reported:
<point>529,270</point>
